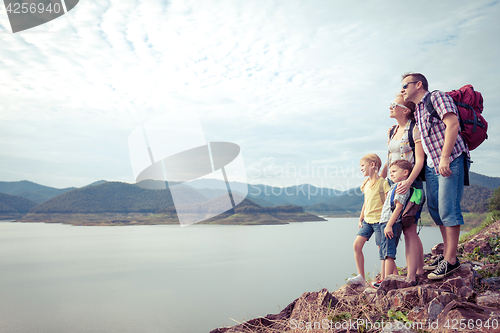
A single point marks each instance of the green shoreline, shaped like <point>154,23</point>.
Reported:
<point>471,220</point>
<point>122,219</point>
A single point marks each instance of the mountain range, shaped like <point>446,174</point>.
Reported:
<point>102,196</point>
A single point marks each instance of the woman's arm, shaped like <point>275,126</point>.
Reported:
<point>383,172</point>
<point>405,185</point>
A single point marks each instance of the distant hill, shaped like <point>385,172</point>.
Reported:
<point>33,191</point>
<point>324,207</point>
<point>221,204</point>
<point>262,202</point>
<point>351,200</point>
<point>308,196</point>
<point>300,195</point>
<point>99,182</point>
<point>486,181</point>
<point>113,197</point>
<point>476,198</point>
<point>15,204</point>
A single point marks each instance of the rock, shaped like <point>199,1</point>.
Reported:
<point>409,297</point>
<point>483,247</point>
<point>350,290</point>
<point>436,306</point>
<point>426,294</point>
<point>453,284</point>
<point>489,299</point>
<point>392,282</point>
<point>438,249</point>
<point>418,314</point>
<point>370,294</point>
<point>272,321</point>
<point>312,304</point>
<point>456,313</point>
<point>466,293</point>
<point>492,230</point>
<point>493,283</point>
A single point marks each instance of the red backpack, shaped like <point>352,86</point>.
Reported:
<point>473,126</point>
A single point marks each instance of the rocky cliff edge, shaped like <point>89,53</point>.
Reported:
<point>467,301</point>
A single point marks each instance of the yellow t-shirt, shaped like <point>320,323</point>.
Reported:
<point>373,199</point>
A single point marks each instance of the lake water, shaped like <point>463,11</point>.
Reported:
<point>60,278</point>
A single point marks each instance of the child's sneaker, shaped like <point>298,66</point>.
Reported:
<point>376,284</point>
<point>358,279</point>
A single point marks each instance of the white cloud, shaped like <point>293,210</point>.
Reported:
<point>301,82</point>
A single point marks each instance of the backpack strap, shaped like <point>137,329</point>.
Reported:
<point>430,108</point>
<point>412,146</point>
<point>410,136</point>
<point>393,192</point>
<point>392,131</point>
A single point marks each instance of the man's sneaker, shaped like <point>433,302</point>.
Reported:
<point>358,279</point>
<point>444,269</point>
<point>433,265</point>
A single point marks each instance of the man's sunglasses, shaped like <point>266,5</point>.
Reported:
<point>393,105</point>
<point>406,84</point>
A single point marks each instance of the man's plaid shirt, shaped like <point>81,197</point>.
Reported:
<point>432,129</point>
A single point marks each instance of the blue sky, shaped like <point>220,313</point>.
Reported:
<point>303,87</point>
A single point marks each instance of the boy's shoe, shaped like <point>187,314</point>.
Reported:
<point>433,265</point>
<point>444,269</point>
<point>358,279</point>
<point>376,284</point>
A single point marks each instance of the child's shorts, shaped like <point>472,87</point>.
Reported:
<point>388,246</point>
<point>368,229</point>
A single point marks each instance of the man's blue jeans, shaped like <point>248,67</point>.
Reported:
<point>445,193</point>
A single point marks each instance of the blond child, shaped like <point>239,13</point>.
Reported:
<point>374,189</point>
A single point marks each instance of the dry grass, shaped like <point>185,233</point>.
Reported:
<point>356,312</point>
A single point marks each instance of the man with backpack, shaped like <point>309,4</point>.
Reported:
<point>447,164</point>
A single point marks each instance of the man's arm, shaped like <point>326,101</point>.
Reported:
<point>395,214</point>
<point>450,137</point>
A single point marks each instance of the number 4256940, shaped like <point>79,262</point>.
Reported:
<point>32,8</point>
<point>470,324</point>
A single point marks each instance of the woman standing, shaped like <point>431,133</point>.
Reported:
<point>400,148</point>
